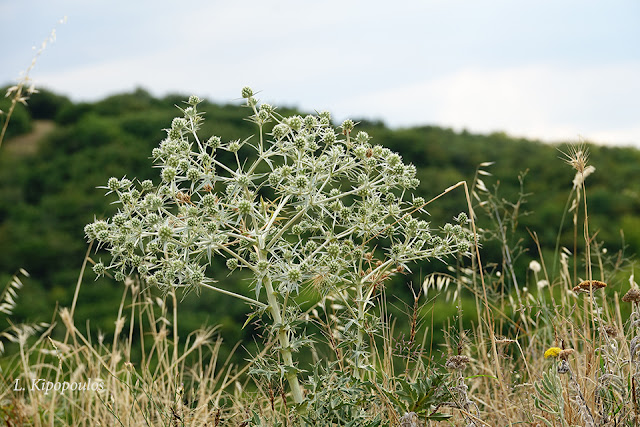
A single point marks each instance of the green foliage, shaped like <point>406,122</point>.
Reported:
<point>45,105</point>
<point>549,396</point>
<point>263,421</point>
<point>422,396</point>
<point>340,400</point>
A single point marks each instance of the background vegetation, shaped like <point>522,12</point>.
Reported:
<point>58,153</point>
<point>49,193</point>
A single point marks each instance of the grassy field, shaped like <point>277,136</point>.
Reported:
<point>559,349</point>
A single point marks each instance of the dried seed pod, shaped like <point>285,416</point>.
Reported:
<point>457,363</point>
<point>632,295</point>
<point>564,354</point>
<point>589,285</point>
<point>610,330</point>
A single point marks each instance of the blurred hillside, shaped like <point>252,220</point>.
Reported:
<point>59,152</point>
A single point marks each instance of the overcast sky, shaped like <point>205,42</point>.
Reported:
<point>550,70</point>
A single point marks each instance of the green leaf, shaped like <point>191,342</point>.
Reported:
<point>546,421</point>
<point>438,416</point>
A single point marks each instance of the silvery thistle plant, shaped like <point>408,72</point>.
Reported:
<point>303,204</point>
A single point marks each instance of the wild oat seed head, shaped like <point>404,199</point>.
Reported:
<point>588,285</point>
<point>577,157</point>
<point>578,180</point>
<point>632,295</point>
<point>66,317</point>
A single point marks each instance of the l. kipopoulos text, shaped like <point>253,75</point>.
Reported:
<point>40,384</point>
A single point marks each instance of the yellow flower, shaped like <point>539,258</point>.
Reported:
<point>552,352</point>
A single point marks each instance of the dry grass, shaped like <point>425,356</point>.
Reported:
<point>177,382</point>
<point>558,350</point>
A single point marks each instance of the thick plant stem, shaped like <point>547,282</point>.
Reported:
<point>360,339</point>
<point>283,338</point>
<point>285,349</point>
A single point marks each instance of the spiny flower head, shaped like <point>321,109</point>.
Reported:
<point>314,182</point>
<point>247,92</point>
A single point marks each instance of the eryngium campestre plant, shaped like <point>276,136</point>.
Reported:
<point>300,203</point>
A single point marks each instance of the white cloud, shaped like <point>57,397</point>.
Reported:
<point>542,101</point>
<point>279,77</point>
<point>537,101</point>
